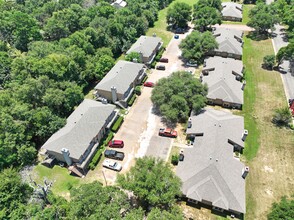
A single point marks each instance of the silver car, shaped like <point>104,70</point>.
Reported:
<point>113,165</point>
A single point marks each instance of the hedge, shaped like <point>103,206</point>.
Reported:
<point>109,138</point>
<point>131,101</point>
<point>138,90</point>
<point>96,158</point>
<point>144,80</point>
<point>117,124</point>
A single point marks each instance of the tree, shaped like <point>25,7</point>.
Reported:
<point>173,214</point>
<point>282,117</point>
<point>262,18</point>
<point>134,56</point>
<point>14,192</point>
<point>282,210</point>
<point>217,4</point>
<point>269,61</point>
<point>153,182</point>
<point>176,95</point>
<point>93,201</point>
<point>286,53</point>
<point>179,15</point>
<point>18,28</point>
<point>196,45</point>
<point>206,17</point>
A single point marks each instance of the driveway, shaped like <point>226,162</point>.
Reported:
<point>280,41</point>
<point>140,128</point>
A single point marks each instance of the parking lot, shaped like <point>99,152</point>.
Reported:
<point>140,128</point>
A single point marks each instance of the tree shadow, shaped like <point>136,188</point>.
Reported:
<point>253,35</point>
<point>155,110</point>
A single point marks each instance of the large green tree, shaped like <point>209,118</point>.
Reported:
<point>153,182</point>
<point>179,15</point>
<point>13,192</point>
<point>205,17</point>
<point>177,95</point>
<point>195,46</point>
<point>263,18</point>
<point>93,201</point>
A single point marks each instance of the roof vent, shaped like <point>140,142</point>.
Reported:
<point>216,160</point>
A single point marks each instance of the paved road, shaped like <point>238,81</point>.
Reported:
<point>279,41</point>
<point>140,128</point>
<point>288,80</point>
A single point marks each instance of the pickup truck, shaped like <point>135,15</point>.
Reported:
<point>117,155</point>
<point>168,132</point>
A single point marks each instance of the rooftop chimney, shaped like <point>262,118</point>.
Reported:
<point>245,172</point>
<point>65,153</point>
<point>113,94</point>
<point>189,122</point>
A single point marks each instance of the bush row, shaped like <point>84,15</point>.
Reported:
<point>96,158</point>
<point>117,124</point>
<point>131,101</point>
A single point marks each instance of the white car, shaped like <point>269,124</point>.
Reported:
<point>112,165</point>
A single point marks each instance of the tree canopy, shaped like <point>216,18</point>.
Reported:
<point>262,18</point>
<point>179,15</point>
<point>153,182</point>
<point>282,210</point>
<point>207,13</point>
<point>177,95</point>
<point>50,53</point>
<point>195,46</point>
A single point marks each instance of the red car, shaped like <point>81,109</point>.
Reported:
<point>163,60</point>
<point>116,143</point>
<point>149,84</point>
<point>167,132</point>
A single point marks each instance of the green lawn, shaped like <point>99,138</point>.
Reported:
<point>251,65</point>
<point>62,181</point>
<point>246,9</point>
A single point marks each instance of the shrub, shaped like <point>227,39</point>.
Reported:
<point>132,99</point>
<point>96,158</point>
<point>175,159</point>
<point>144,80</point>
<point>269,61</point>
<point>282,117</point>
<point>153,64</point>
<point>138,90</point>
<point>108,138</point>
<point>159,54</point>
<point>117,124</point>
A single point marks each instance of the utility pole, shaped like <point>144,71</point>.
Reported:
<point>104,177</point>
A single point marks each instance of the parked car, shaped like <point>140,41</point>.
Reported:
<point>167,132</point>
<point>112,165</point>
<point>117,155</point>
<point>148,84</point>
<point>116,143</point>
<point>176,36</point>
<point>160,67</point>
<point>163,60</point>
<point>192,64</point>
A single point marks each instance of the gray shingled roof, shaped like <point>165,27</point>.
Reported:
<point>121,76</point>
<point>209,170</point>
<point>221,81</point>
<point>145,45</point>
<point>231,9</point>
<point>81,127</point>
<point>229,40</point>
